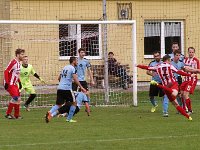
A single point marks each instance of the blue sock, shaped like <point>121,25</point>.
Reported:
<point>54,108</point>
<point>54,114</point>
<point>71,112</point>
<point>153,102</point>
<point>179,101</point>
<point>165,104</point>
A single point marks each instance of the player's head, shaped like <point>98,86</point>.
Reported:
<point>81,52</point>
<point>25,60</point>
<point>191,52</point>
<point>19,53</point>
<point>177,55</point>
<point>110,54</point>
<point>166,58</point>
<point>156,55</point>
<point>73,61</point>
<point>175,46</point>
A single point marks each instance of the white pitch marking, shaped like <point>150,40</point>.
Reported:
<point>102,140</point>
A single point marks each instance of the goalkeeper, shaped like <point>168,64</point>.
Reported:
<point>25,72</point>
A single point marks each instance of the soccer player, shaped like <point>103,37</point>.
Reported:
<point>169,85</point>
<point>80,98</point>
<point>83,65</point>
<point>11,78</point>
<point>64,92</point>
<point>26,71</point>
<point>175,47</point>
<point>155,90</point>
<point>189,84</point>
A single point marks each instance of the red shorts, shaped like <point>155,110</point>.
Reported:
<point>13,90</point>
<point>188,86</point>
<point>173,86</point>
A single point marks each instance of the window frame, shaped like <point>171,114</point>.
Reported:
<point>162,36</point>
<point>79,45</point>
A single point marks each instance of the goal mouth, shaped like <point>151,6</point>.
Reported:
<point>50,44</point>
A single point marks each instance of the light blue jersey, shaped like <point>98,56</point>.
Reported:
<point>156,76</point>
<point>80,98</point>
<point>179,65</point>
<point>181,58</point>
<point>66,77</point>
<point>83,64</point>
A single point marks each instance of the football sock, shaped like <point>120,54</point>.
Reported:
<point>54,108</point>
<point>54,113</point>
<point>153,102</point>
<point>71,112</point>
<point>182,111</point>
<point>16,107</point>
<point>183,103</point>
<point>188,104</point>
<point>10,107</point>
<point>30,99</point>
<point>165,104</point>
<point>179,100</point>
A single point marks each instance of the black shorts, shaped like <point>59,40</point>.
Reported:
<point>156,91</point>
<point>64,96</point>
<point>83,83</point>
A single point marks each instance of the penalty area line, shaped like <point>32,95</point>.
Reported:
<point>100,140</point>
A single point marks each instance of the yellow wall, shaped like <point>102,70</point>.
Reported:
<point>44,55</point>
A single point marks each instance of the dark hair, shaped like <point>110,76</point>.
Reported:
<point>166,57</point>
<point>177,52</point>
<point>110,53</point>
<point>81,49</point>
<point>71,59</point>
<point>175,43</point>
<point>191,48</point>
<point>19,51</point>
<point>155,52</point>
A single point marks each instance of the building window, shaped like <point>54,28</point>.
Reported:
<point>72,37</point>
<point>159,36</point>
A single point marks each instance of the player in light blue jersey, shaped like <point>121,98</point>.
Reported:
<point>64,91</point>
<point>175,47</point>
<point>80,98</point>
<point>154,90</point>
<point>83,66</point>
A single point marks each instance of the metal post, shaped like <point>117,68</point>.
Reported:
<point>105,54</point>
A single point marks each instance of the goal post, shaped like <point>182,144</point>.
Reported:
<point>49,44</point>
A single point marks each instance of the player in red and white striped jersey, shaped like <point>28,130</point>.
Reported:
<point>165,70</point>
<point>189,84</point>
<point>11,79</point>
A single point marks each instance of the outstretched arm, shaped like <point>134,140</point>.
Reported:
<point>145,67</point>
<point>183,73</point>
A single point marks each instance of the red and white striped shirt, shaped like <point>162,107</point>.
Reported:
<point>193,63</point>
<point>165,72</point>
<point>12,72</point>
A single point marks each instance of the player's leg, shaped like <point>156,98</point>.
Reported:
<point>85,86</point>
<point>165,106</point>
<point>71,98</point>
<point>173,100</point>
<point>153,91</point>
<point>14,102</point>
<point>30,90</point>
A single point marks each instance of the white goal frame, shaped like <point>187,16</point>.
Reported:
<point>134,48</point>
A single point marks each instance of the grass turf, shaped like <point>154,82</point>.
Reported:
<point>107,128</point>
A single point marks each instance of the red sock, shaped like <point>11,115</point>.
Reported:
<point>16,114</point>
<point>188,104</point>
<point>182,111</point>
<point>10,107</point>
<point>165,88</point>
<point>183,103</point>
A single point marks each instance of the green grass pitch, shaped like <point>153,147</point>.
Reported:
<point>109,128</point>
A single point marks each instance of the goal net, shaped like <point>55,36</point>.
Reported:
<point>49,45</point>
